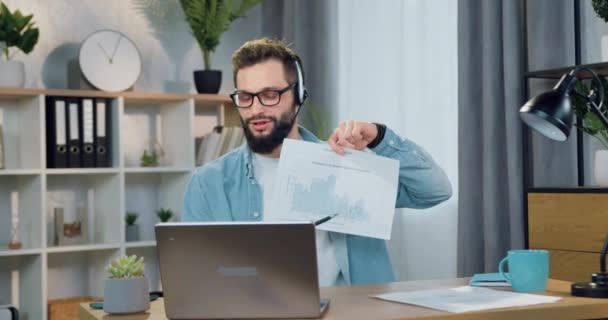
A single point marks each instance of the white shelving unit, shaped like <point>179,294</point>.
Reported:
<point>40,270</point>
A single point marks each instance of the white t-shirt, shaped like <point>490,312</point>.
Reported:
<point>265,170</point>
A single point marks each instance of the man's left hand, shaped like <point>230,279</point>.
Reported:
<point>352,134</point>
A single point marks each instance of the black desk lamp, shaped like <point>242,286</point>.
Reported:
<point>550,113</point>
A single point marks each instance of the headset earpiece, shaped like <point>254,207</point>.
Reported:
<point>300,89</point>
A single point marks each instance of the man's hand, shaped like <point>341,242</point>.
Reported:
<point>352,134</point>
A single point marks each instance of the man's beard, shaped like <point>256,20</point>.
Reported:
<point>266,144</point>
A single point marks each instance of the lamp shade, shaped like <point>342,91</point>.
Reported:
<point>550,114</point>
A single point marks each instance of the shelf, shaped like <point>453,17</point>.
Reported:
<point>81,248</point>
<point>21,283</point>
<point>145,194</point>
<point>78,274</point>
<point>159,170</point>
<point>600,68</point>
<point>19,172</point>
<point>141,244</point>
<point>82,171</point>
<point>20,252</point>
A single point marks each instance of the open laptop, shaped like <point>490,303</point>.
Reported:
<point>239,270</point>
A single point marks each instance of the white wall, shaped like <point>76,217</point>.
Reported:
<point>157,27</point>
<point>398,65</point>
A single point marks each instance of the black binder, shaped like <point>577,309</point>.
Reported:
<point>102,133</point>
<point>56,133</point>
<point>74,140</point>
<point>87,132</point>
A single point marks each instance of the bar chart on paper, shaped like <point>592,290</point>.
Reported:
<point>314,182</point>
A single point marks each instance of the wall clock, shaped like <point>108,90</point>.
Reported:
<point>109,60</point>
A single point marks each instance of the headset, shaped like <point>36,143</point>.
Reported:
<point>299,88</point>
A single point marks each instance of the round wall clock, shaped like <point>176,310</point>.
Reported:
<point>109,60</point>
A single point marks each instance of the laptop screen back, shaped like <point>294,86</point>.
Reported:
<point>238,270</point>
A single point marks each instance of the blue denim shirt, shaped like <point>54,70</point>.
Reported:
<point>226,190</point>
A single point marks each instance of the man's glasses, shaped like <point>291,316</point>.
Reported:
<point>267,98</point>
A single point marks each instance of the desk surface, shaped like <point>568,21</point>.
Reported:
<point>354,302</point>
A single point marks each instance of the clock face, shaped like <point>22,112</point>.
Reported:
<point>109,60</point>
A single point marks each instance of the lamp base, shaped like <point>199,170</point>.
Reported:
<point>597,288</point>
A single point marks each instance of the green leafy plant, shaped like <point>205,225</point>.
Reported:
<point>316,121</point>
<point>149,159</point>
<point>126,267</point>
<point>601,8</point>
<point>209,19</point>
<point>164,214</point>
<point>130,218</point>
<point>16,30</point>
<point>591,123</point>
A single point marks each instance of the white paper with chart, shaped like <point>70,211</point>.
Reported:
<point>314,182</point>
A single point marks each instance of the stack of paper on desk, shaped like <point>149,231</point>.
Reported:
<point>463,299</point>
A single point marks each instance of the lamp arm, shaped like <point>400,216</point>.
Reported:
<point>600,86</point>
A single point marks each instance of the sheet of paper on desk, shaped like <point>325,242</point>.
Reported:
<point>463,299</point>
<point>314,182</point>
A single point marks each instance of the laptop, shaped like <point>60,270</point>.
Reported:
<point>213,270</point>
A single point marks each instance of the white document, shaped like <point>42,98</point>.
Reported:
<point>463,299</point>
<point>314,182</point>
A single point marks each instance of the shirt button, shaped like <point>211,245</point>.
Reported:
<point>256,214</point>
<point>252,181</point>
<point>391,142</point>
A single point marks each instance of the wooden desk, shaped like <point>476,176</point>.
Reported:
<point>354,302</point>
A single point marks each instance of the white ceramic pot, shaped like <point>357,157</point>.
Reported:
<point>601,168</point>
<point>123,296</point>
<point>12,74</point>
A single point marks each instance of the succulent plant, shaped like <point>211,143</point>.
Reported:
<point>126,267</point>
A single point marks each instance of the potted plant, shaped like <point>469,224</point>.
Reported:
<point>164,214</point>
<point>16,30</point>
<point>132,229</point>
<point>593,126</point>
<point>126,290</point>
<point>208,20</point>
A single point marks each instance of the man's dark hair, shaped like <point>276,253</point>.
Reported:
<point>260,50</point>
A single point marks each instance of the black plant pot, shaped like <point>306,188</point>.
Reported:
<point>208,81</point>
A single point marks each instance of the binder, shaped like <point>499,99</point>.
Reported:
<point>74,140</point>
<point>87,133</point>
<point>102,130</point>
<point>56,119</point>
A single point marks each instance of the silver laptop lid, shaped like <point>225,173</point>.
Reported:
<point>238,270</point>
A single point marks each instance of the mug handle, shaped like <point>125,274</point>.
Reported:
<point>501,269</point>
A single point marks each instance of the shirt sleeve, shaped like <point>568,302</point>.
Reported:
<point>422,183</point>
<point>196,207</point>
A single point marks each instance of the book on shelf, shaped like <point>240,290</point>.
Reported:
<point>218,142</point>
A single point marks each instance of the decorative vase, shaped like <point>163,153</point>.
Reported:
<point>208,81</point>
<point>132,233</point>
<point>601,168</point>
<point>12,74</point>
<point>127,295</point>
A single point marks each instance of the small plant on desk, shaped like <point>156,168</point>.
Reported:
<point>126,290</point>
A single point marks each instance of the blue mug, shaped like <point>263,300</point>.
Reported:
<point>528,270</point>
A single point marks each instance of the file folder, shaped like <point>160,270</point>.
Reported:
<point>56,119</point>
<point>74,141</point>
<point>102,133</point>
<point>87,133</point>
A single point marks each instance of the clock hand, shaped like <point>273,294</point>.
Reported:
<point>115,48</point>
<point>104,52</point>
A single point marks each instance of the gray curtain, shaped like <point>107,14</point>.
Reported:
<point>310,27</point>
<point>490,212</point>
